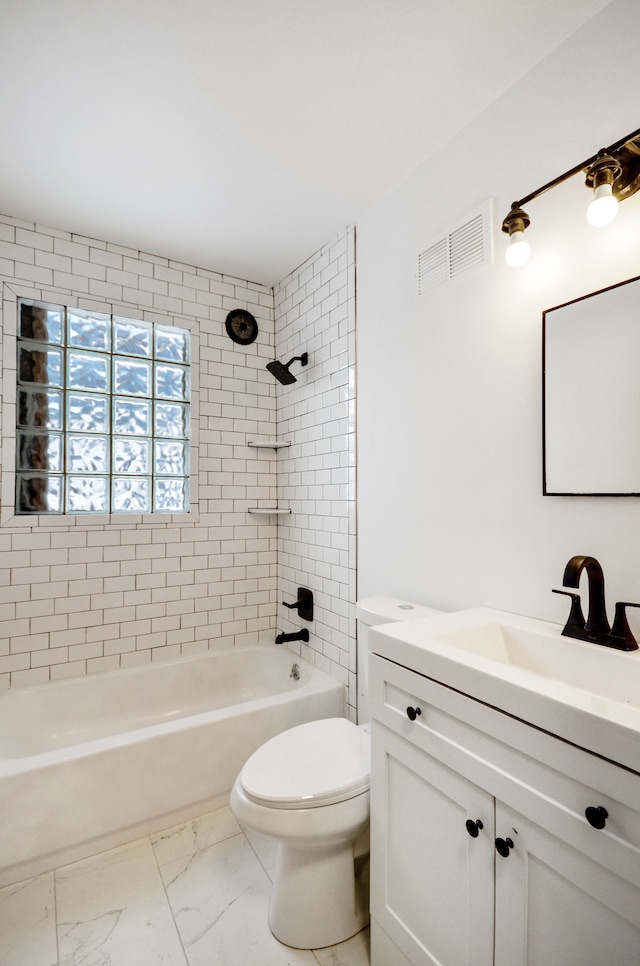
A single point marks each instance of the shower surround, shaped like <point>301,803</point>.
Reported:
<point>315,311</point>
<point>86,594</point>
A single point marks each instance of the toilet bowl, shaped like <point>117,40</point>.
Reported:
<point>309,788</point>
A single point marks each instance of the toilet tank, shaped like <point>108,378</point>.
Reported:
<point>369,612</point>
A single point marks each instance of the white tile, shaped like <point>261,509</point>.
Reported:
<point>27,923</point>
<point>195,836</point>
<point>352,952</point>
<point>265,847</point>
<point>234,393</point>
<point>112,904</point>
<point>220,898</point>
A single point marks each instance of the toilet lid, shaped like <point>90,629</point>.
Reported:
<point>318,763</point>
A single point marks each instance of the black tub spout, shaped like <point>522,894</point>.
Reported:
<point>302,635</point>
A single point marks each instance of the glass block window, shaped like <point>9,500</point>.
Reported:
<point>102,413</point>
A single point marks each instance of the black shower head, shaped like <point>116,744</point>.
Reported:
<point>281,371</point>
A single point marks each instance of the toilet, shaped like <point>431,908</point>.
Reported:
<point>309,788</point>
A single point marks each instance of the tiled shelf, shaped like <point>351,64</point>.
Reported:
<point>279,510</point>
<point>269,443</point>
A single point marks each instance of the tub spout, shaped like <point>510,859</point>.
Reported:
<point>302,635</point>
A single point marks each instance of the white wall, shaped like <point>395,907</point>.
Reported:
<point>450,505</point>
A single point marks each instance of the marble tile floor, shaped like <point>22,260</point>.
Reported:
<point>193,895</point>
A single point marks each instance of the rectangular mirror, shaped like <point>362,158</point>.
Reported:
<point>591,394</point>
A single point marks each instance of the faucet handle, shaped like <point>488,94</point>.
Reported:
<point>621,634</point>
<point>304,604</point>
<point>575,623</point>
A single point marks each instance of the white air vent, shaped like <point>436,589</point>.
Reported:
<point>466,247</point>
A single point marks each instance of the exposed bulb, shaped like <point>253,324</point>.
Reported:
<point>518,249</point>
<point>604,207</point>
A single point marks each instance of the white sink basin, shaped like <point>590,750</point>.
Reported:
<point>546,652</point>
<point>583,692</point>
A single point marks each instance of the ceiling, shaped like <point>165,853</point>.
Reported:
<point>241,135</point>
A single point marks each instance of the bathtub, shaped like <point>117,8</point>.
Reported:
<point>93,762</point>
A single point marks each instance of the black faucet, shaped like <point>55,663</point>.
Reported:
<point>302,635</point>
<point>596,627</point>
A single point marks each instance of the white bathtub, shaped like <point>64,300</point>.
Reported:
<point>90,763</point>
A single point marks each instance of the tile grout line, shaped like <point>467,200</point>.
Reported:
<point>168,901</point>
<point>54,877</point>
<point>250,844</point>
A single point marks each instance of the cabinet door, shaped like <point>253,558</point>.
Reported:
<point>556,906</point>
<point>431,881</point>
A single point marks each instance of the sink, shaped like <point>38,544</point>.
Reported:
<point>585,693</point>
<point>578,664</point>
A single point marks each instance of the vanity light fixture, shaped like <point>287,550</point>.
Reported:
<point>613,174</point>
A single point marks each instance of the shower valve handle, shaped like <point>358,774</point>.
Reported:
<point>304,604</point>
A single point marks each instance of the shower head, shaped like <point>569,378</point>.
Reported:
<point>281,370</point>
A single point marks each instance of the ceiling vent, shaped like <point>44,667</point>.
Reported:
<point>465,248</point>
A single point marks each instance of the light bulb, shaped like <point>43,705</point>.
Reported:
<point>514,225</point>
<point>518,250</point>
<point>604,207</point>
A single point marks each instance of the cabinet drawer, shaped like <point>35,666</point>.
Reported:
<point>539,775</point>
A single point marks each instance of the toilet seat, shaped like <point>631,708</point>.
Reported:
<point>318,763</point>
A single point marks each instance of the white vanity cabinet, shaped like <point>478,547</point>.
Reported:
<point>448,784</point>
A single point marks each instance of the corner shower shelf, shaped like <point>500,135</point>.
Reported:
<point>280,510</point>
<point>269,443</point>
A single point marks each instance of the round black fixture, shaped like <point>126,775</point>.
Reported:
<point>241,326</point>
<point>503,846</point>
<point>473,827</point>
<point>412,713</point>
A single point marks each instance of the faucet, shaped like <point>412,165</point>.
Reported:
<point>302,635</point>
<point>596,627</point>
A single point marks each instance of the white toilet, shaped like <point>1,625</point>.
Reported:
<point>309,788</point>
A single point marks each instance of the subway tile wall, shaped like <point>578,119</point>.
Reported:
<point>315,312</point>
<point>84,594</point>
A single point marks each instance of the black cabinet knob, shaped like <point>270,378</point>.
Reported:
<point>412,713</point>
<point>503,846</point>
<point>473,827</point>
<point>596,815</point>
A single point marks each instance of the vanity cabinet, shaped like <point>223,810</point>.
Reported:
<point>461,777</point>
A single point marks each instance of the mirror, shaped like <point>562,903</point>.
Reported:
<point>591,394</point>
